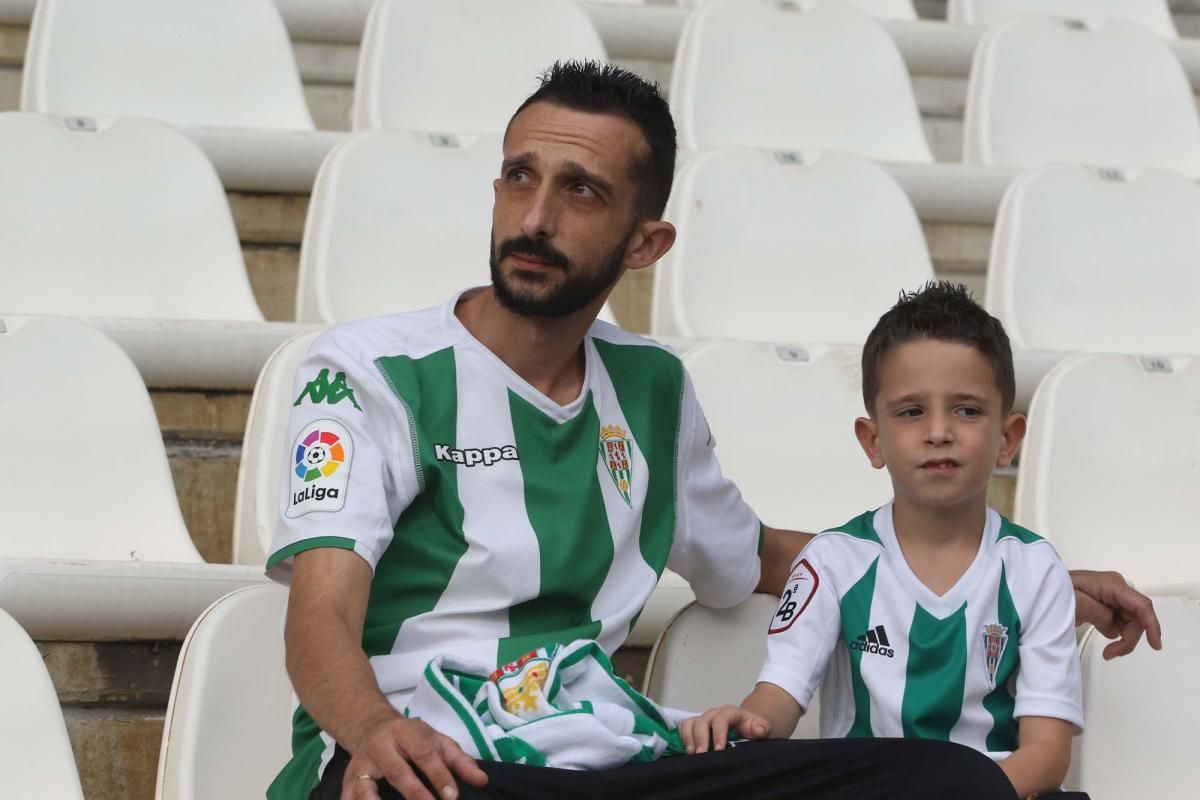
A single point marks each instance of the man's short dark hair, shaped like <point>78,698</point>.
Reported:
<point>601,88</point>
<point>944,311</point>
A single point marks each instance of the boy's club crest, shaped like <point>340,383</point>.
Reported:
<point>616,451</point>
<point>995,638</point>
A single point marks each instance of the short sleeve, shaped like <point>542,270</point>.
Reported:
<point>805,628</point>
<point>717,535</point>
<point>348,467</point>
<point>1048,679</point>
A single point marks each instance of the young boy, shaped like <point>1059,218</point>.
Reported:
<point>933,616</point>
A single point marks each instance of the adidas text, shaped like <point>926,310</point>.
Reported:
<point>314,493</point>
<point>873,641</point>
<point>472,456</point>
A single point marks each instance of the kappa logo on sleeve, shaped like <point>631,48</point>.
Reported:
<point>321,460</point>
<point>801,586</point>
<point>321,390</point>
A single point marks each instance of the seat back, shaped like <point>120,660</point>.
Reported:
<point>785,247</point>
<point>1110,469</point>
<point>398,221</point>
<point>264,451</point>
<point>1153,14</point>
<point>708,657</point>
<point>228,724</point>
<point>38,761</point>
<point>420,65</point>
<point>217,62</point>
<point>783,419</point>
<point>115,218</point>
<point>1111,93</point>
<point>768,74</point>
<point>88,477</point>
<point>1099,260</point>
<point>1141,709</point>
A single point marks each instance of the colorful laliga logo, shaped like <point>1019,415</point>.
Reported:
<point>995,638</point>
<point>616,451</point>
<point>319,455</point>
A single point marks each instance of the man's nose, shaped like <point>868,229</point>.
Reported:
<point>541,217</point>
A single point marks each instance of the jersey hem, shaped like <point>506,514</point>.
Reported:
<point>284,553</point>
<point>779,677</point>
<point>1055,709</point>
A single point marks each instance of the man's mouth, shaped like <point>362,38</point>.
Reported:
<point>533,262</point>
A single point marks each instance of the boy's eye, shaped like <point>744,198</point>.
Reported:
<point>909,412</point>
<point>970,411</point>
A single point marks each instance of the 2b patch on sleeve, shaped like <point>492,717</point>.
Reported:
<point>320,468</point>
<point>801,586</point>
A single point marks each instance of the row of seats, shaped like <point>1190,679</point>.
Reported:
<point>125,218</point>
<point>1102,90</point>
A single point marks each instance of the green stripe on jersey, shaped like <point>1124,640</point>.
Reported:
<point>566,511</point>
<point>300,776</point>
<point>861,527</point>
<point>648,383</point>
<point>935,675</point>
<point>856,617</point>
<point>1008,529</point>
<point>1000,702</point>
<point>339,542</point>
<point>414,571</point>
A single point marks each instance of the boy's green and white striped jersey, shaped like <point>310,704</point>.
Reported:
<point>497,521</point>
<point>898,660</point>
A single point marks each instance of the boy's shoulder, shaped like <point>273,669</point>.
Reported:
<point>856,533</point>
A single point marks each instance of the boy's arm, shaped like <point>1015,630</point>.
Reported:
<point>766,711</point>
<point>1040,762</point>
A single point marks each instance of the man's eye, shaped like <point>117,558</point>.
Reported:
<point>582,190</point>
<point>518,176</point>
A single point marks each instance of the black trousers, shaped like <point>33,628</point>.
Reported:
<point>777,769</point>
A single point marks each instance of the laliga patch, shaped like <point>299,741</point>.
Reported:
<point>801,586</point>
<point>321,460</point>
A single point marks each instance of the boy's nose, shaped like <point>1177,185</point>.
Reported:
<point>939,431</point>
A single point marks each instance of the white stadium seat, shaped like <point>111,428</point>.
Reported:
<point>1098,260</point>
<point>1111,465</point>
<point>709,657</point>
<point>38,761</point>
<point>1141,710</point>
<point>216,62</point>
<point>462,65</point>
<point>1045,90</point>
<point>91,537</point>
<point>783,419</point>
<point>765,74</point>
<point>228,721</point>
<point>1153,14</point>
<point>115,217</point>
<point>398,221</point>
<point>884,9</point>
<point>786,247</point>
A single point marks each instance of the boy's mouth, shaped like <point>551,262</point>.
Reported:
<point>940,465</point>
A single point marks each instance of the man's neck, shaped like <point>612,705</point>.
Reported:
<point>546,353</point>
<point>938,543</point>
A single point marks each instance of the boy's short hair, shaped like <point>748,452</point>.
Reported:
<point>945,311</point>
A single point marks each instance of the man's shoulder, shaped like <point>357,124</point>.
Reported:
<point>605,334</point>
<point>413,334</point>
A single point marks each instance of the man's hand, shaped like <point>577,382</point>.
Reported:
<point>714,725</point>
<point>394,750</point>
<point>1117,610</point>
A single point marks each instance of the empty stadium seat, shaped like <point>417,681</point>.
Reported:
<point>228,722</point>
<point>216,62</point>
<point>38,761</point>
<point>462,65</point>
<point>1098,260</point>
<point>115,217</point>
<point>92,542</point>
<point>1110,93</point>
<point>709,657</point>
<point>1141,709</point>
<point>783,419</point>
<point>1153,14</point>
<point>749,72</point>
<point>884,9</point>
<point>1111,465</point>
<point>789,247</point>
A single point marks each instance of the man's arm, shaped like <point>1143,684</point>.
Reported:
<point>779,551</point>
<point>335,683</point>
<point>1118,611</point>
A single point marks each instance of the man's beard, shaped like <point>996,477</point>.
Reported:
<point>578,289</point>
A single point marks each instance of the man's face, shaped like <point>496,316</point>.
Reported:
<point>564,210</point>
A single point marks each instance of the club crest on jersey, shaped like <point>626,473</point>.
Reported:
<point>522,683</point>
<point>995,639</point>
<point>616,451</point>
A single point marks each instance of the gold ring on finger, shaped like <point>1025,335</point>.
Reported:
<point>366,776</point>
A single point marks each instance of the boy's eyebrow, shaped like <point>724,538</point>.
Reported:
<point>905,400</point>
<point>917,397</point>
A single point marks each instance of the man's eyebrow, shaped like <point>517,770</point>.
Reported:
<point>518,160</point>
<point>581,171</point>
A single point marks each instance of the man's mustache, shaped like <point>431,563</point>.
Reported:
<point>541,250</point>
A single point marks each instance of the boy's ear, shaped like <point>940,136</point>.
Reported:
<point>1012,432</point>
<point>867,431</point>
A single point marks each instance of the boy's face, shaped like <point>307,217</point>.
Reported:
<point>938,424</point>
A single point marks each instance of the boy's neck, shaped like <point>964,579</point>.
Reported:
<point>939,543</point>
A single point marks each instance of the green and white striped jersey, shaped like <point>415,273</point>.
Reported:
<point>895,660</point>
<point>497,521</point>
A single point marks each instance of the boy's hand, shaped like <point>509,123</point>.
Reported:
<point>714,726</point>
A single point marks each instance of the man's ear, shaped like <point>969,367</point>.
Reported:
<point>1013,432</point>
<point>867,431</point>
<point>650,242</point>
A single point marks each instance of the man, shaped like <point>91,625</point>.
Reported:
<point>460,504</point>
